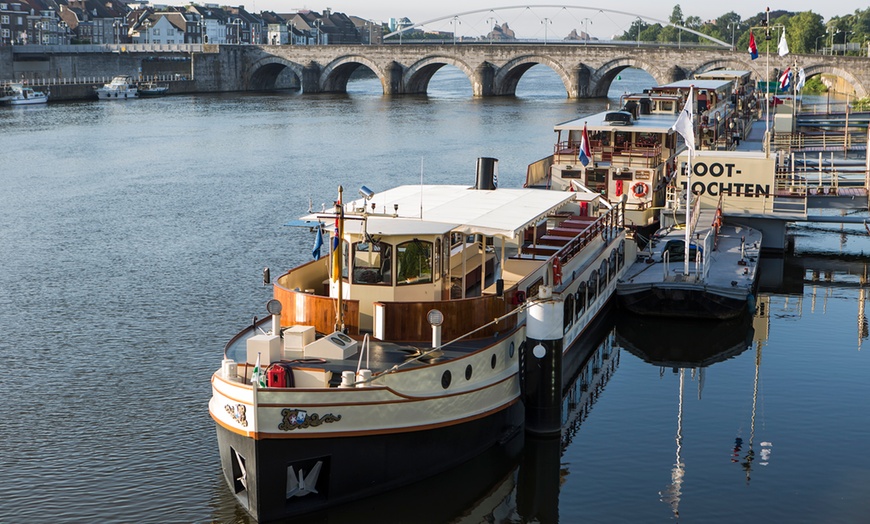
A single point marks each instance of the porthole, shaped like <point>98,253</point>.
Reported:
<point>445,379</point>
<point>468,372</point>
<point>511,350</point>
<point>493,361</point>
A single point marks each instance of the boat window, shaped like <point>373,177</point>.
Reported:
<point>240,474</point>
<point>414,262</point>
<point>592,287</point>
<point>532,291</point>
<point>621,253</point>
<point>437,271</point>
<point>602,275</point>
<point>568,316</point>
<point>580,300</point>
<point>345,251</point>
<point>372,263</point>
<point>612,263</point>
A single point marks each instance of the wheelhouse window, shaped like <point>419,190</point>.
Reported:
<point>372,263</point>
<point>414,262</point>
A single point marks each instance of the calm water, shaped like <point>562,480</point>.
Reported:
<point>132,243</point>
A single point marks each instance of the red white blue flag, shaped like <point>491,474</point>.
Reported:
<point>785,79</point>
<point>585,152</point>
<point>753,49</point>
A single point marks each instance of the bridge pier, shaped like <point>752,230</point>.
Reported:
<point>484,80</point>
<point>392,82</point>
<point>311,78</point>
<point>581,80</point>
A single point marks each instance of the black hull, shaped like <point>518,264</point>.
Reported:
<point>682,303</point>
<point>354,467</point>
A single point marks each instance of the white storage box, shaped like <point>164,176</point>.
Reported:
<point>297,337</point>
<point>269,348</point>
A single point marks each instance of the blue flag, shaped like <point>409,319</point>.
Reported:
<point>318,243</point>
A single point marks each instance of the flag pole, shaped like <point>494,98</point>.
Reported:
<point>688,233</point>
<point>767,87</point>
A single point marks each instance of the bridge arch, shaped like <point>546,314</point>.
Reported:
<point>335,75</point>
<point>729,63</point>
<point>416,77</point>
<point>818,69</point>
<point>262,75</point>
<point>604,75</point>
<point>509,75</point>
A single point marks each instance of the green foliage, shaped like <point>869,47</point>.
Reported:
<point>814,86</point>
<point>862,104</point>
<point>806,31</point>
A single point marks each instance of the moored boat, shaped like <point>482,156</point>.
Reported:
<point>20,95</point>
<point>122,87</point>
<point>152,89</point>
<point>699,264</point>
<point>362,394</point>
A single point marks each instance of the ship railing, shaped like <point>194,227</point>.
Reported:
<point>648,156</point>
<point>406,321</point>
<point>305,300</point>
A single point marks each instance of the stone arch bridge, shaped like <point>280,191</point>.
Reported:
<point>495,70</point>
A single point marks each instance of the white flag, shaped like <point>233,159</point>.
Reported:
<point>685,124</point>
<point>802,79</point>
<point>783,45</point>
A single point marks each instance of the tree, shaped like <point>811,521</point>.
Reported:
<point>676,15</point>
<point>802,30</point>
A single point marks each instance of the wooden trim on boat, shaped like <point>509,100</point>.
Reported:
<point>310,309</point>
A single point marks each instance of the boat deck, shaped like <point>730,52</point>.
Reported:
<point>382,355</point>
<point>732,263</point>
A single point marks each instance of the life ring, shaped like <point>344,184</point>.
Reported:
<point>557,271</point>
<point>619,188</point>
<point>639,189</point>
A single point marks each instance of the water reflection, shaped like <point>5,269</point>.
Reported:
<point>688,348</point>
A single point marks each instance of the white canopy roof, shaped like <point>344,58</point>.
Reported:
<point>499,212</point>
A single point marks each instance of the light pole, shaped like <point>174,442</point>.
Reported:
<point>546,22</point>
<point>733,25</point>
<point>832,39</point>
<point>491,21</point>
<point>147,24</point>
<point>317,24</point>
<point>116,25</point>
<point>455,22</point>
<point>845,35</point>
<point>639,24</point>
<point>238,23</point>
<point>680,35</point>
<point>817,41</point>
<point>586,22</point>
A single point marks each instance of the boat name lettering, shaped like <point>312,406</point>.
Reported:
<point>298,419</point>
<point>730,189</point>
<point>715,169</point>
<point>237,411</point>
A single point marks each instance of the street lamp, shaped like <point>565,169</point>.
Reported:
<point>845,35</point>
<point>586,22</point>
<point>639,24</point>
<point>491,20</point>
<point>817,41</point>
<point>203,37</point>
<point>832,39</point>
<point>546,22</point>
<point>116,26</point>
<point>147,24</point>
<point>317,24</point>
<point>733,25</point>
<point>456,21</point>
<point>238,23</point>
<point>680,34</point>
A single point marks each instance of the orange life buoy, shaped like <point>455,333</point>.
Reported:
<point>619,188</point>
<point>639,189</point>
<point>557,271</point>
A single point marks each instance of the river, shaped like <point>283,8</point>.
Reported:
<point>133,240</point>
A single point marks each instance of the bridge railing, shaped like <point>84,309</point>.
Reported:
<point>91,80</point>
<point>109,48</point>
